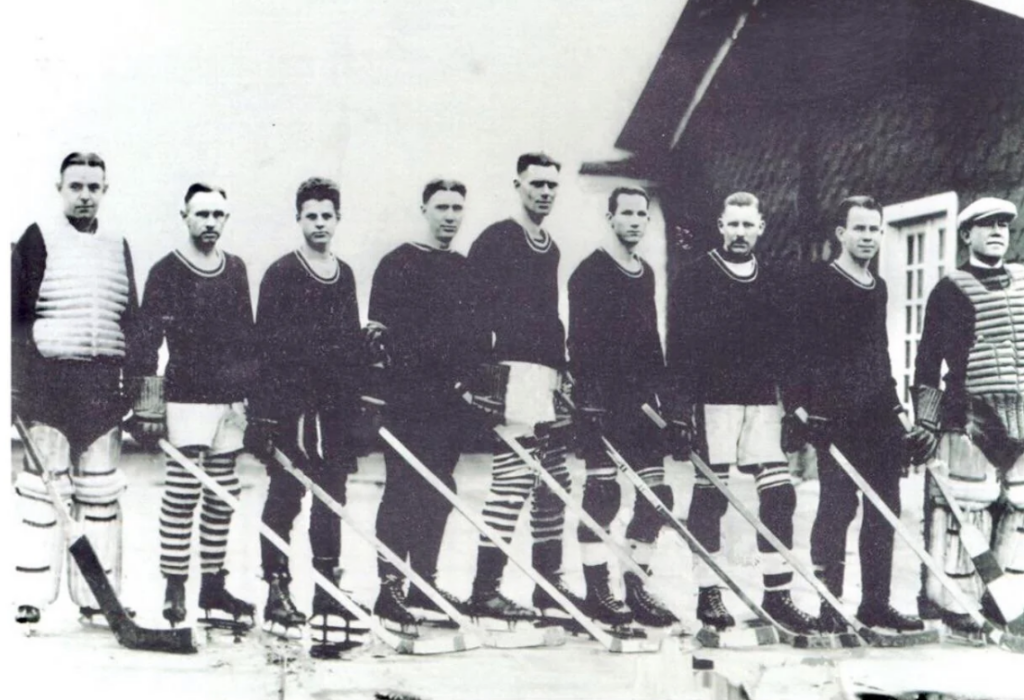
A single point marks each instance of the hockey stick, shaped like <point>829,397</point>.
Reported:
<point>127,633</point>
<point>584,517</point>
<point>402,645</point>
<point>992,633</point>
<point>470,635</point>
<point>977,547</point>
<point>862,632</point>
<point>608,641</point>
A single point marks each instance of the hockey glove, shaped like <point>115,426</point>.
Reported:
<point>261,437</point>
<point>920,444</point>
<point>484,389</point>
<point>374,339</point>
<point>148,422</point>
<point>680,438</point>
<point>816,430</point>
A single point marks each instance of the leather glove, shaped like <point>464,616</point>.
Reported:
<point>920,443</point>
<point>148,422</point>
<point>680,438</point>
<point>261,436</point>
<point>816,430</point>
<point>374,339</point>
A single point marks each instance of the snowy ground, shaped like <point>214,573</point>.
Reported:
<point>83,663</point>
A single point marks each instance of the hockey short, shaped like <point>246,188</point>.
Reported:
<point>529,396</point>
<point>741,435</point>
<point>218,428</point>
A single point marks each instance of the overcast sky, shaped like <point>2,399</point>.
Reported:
<point>257,96</point>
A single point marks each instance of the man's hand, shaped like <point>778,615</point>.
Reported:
<point>680,438</point>
<point>261,435</point>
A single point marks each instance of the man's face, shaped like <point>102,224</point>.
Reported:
<point>629,222</point>
<point>537,186</point>
<point>205,215</point>
<point>82,188</point>
<point>989,237</point>
<point>740,226</point>
<point>862,235</point>
<point>443,212</point>
<point>318,220</point>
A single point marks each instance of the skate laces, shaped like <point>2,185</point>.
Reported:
<point>715,602</point>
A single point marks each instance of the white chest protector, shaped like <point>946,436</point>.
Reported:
<point>83,295</point>
<point>996,360</point>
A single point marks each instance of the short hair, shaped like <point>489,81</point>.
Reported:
<point>862,201</point>
<point>742,199</point>
<point>442,185</point>
<point>197,187</point>
<point>613,198</point>
<point>89,159</point>
<point>541,159</point>
<point>316,189</point>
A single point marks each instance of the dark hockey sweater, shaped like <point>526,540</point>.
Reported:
<point>308,339</point>
<point>207,320</point>
<point>515,282</point>
<point>614,348</point>
<point>841,365</point>
<point>725,335</point>
<point>423,296</point>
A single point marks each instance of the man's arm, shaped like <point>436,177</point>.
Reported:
<point>28,264</point>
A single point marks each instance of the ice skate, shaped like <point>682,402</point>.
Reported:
<point>333,628</point>
<point>493,611</point>
<point>780,607</point>
<point>711,611</point>
<point>221,609</point>
<point>281,618</point>
<point>174,600</point>
<point>429,612</point>
<point>647,609</point>
<point>27,615</point>
<point>600,604</point>
<point>390,607</point>
<point>888,617</point>
<point>545,603</point>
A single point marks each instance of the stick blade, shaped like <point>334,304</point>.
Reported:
<point>128,634</point>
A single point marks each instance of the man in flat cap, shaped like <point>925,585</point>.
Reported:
<point>974,322</point>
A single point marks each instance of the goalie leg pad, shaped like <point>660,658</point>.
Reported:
<point>39,543</point>
<point>99,483</point>
<point>1009,540</point>
<point>955,559</point>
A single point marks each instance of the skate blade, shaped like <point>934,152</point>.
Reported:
<point>399,628</point>
<point>525,637</point>
<point>743,638</point>
<point>633,645</point>
<point>333,650</point>
<point>276,629</point>
<point>433,618</point>
<point>335,630</point>
<point>676,629</point>
<point>502,624</point>
<point>891,639</point>
<point>440,644</point>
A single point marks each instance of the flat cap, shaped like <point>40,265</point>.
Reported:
<point>984,208</point>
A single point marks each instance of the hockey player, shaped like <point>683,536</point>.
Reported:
<point>421,295</point>
<point>198,298</point>
<point>73,310</point>
<point>310,349</point>
<point>842,377</point>
<point>973,318</point>
<point>514,266</point>
<point>725,353</point>
<point>616,360</point>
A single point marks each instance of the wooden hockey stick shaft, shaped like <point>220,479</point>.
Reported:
<point>863,632</point>
<point>127,633</point>
<point>381,548</point>
<point>993,633</point>
<point>596,632</point>
<point>552,483</point>
<point>385,635</point>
